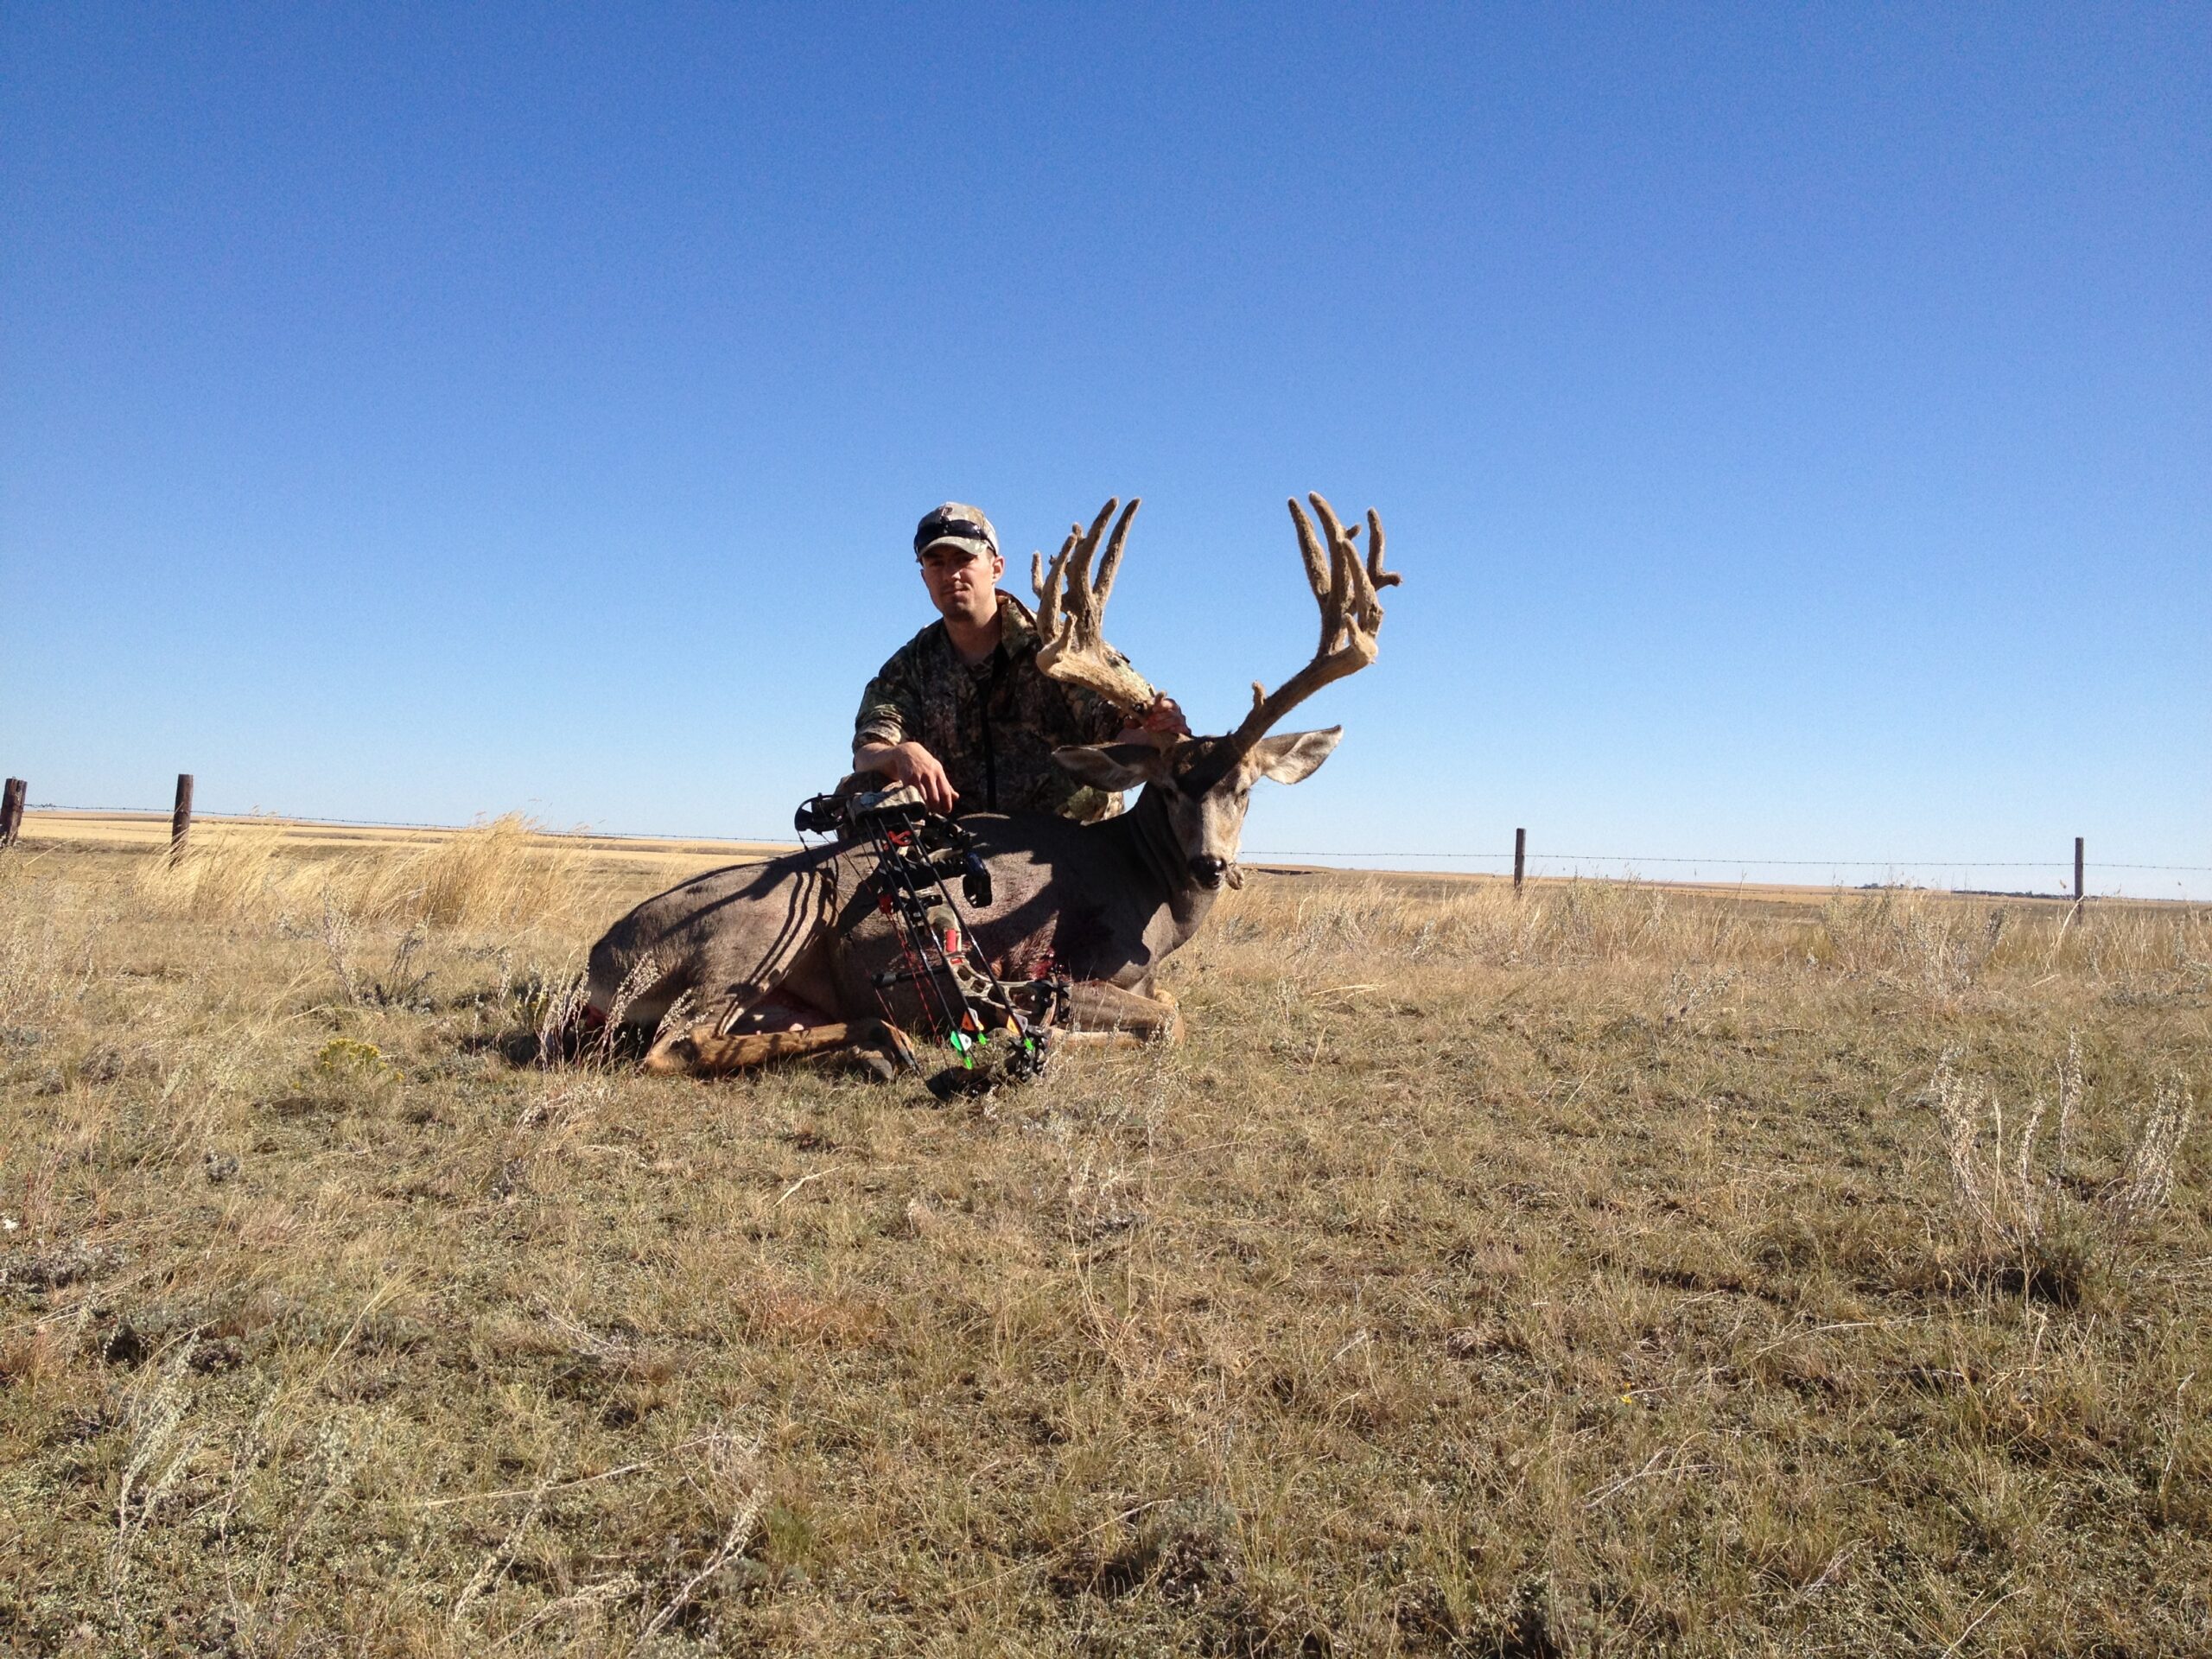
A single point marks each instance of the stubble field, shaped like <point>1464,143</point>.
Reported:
<point>1600,1271</point>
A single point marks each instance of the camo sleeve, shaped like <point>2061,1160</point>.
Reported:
<point>890,708</point>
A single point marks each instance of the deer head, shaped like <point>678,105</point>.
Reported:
<point>1205,783</point>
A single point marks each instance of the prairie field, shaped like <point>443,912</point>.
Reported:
<point>1600,1270</point>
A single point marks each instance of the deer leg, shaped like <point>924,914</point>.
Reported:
<point>1106,1016</point>
<point>703,1049</point>
<point>779,1010</point>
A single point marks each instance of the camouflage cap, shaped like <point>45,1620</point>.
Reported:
<point>957,524</point>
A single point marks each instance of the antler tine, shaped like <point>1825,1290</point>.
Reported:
<point>1109,566</point>
<point>1376,573</point>
<point>1344,570</point>
<point>1049,585</point>
<point>1081,606</point>
<point>1350,612</point>
<point>1309,550</point>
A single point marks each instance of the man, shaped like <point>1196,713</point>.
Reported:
<point>962,711</point>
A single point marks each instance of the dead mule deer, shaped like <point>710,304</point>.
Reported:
<point>784,953</point>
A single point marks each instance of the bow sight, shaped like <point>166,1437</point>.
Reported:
<point>965,1004</point>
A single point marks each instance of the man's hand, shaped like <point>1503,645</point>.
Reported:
<point>1161,725</point>
<point>909,763</point>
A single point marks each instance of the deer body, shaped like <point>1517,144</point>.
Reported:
<point>1105,903</point>
<point>786,954</point>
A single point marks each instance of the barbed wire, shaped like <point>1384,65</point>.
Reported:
<point>1820,863</point>
<point>2060,863</point>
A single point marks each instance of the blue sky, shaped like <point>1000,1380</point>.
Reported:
<point>1795,425</point>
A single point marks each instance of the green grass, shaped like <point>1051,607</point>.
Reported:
<point>1587,1274</point>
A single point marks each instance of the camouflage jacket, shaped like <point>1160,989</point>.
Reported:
<point>992,726</point>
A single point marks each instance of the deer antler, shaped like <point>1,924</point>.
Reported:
<point>1070,603</point>
<point>1351,614</point>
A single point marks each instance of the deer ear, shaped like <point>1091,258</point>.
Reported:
<point>1294,756</point>
<point>1112,765</point>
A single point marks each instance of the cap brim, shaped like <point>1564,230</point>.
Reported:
<point>965,543</point>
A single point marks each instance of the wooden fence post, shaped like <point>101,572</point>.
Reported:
<point>1519,857</point>
<point>180,820</point>
<point>11,812</point>
<point>2077,869</point>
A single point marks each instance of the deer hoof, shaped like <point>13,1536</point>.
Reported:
<point>673,1057</point>
<point>957,1083</point>
<point>886,1042</point>
<point>878,1066</point>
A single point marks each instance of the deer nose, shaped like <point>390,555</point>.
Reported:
<point>1208,870</point>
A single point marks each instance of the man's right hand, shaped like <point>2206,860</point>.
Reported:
<point>909,763</point>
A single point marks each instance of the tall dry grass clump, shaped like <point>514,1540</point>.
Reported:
<point>32,970</point>
<point>2037,1225</point>
<point>491,873</point>
<point>1936,943</point>
<point>498,873</point>
<point>229,871</point>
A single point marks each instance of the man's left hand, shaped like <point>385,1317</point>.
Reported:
<point>1163,719</point>
<point>1164,715</point>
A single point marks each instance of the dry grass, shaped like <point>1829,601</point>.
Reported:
<point>1607,1271</point>
<point>498,872</point>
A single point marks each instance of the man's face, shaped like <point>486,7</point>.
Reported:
<point>962,583</point>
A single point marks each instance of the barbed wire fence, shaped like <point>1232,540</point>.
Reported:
<point>1630,860</point>
<point>1955,874</point>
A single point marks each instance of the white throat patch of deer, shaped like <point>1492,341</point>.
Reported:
<point>786,957</point>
